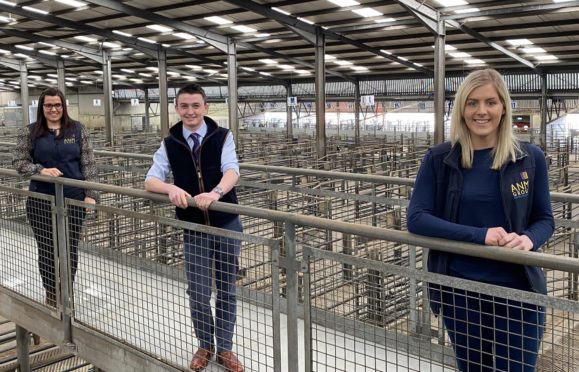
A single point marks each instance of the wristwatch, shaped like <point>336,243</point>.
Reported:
<point>218,190</point>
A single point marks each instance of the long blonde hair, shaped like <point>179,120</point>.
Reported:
<point>507,145</point>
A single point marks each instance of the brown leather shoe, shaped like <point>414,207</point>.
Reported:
<point>201,359</point>
<point>229,361</point>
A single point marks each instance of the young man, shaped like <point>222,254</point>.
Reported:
<point>202,158</point>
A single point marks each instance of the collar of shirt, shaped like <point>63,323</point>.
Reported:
<point>202,131</point>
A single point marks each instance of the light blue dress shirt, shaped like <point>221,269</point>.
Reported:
<point>161,167</point>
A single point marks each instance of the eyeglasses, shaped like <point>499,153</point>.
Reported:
<point>49,107</point>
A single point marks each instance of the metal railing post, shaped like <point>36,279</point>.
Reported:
<point>291,294</point>
<point>63,269</point>
<point>22,341</point>
<point>307,313</point>
<point>414,319</point>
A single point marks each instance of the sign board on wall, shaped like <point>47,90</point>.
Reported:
<point>514,104</point>
<point>96,102</point>
<point>134,101</point>
<point>292,101</point>
<point>366,101</point>
<point>34,103</point>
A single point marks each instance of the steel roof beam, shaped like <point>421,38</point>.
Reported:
<point>295,24</point>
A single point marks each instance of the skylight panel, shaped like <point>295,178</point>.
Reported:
<point>108,44</point>
<point>184,35</point>
<point>545,57</point>
<point>73,3</point>
<point>384,20</point>
<point>344,3</point>
<point>218,20</point>
<point>280,10</point>
<point>40,11</point>
<point>306,20</point>
<point>244,29</point>
<point>160,28</point>
<point>146,40</point>
<point>447,3</point>
<point>532,50</point>
<point>467,10</point>
<point>474,61</point>
<point>367,12</point>
<point>122,33</point>
<point>519,42</point>
<point>86,38</point>
<point>460,55</point>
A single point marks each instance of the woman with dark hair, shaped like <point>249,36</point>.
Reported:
<point>485,187</point>
<point>57,146</point>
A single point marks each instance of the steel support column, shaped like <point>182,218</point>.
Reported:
<point>61,81</point>
<point>147,108</point>
<point>356,112</point>
<point>543,105</point>
<point>163,92</point>
<point>289,126</point>
<point>439,96</point>
<point>108,98</point>
<point>320,94</point>
<point>232,89</point>
<point>24,99</point>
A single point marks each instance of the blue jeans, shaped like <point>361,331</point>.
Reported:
<point>480,326</point>
<point>201,252</point>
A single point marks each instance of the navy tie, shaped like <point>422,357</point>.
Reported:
<point>196,145</point>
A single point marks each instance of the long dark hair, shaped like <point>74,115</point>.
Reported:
<point>40,127</point>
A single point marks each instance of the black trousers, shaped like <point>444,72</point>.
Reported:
<point>40,219</point>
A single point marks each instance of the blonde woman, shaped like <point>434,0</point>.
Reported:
<point>485,187</point>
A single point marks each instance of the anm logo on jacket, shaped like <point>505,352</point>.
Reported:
<point>520,188</point>
<point>70,141</point>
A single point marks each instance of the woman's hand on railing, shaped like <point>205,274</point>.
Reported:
<point>53,172</point>
<point>516,241</point>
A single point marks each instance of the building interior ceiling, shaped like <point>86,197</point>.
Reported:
<point>276,41</point>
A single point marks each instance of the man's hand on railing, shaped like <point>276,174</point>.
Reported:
<point>178,196</point>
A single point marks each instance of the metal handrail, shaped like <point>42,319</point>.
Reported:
<point>490,252</point>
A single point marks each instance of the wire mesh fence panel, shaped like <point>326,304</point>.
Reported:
<point>27,239</point>
<point>168,288</point>
<point>479,327</point>
<point>364,318</point>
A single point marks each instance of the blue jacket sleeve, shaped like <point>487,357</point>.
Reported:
<point>541,222</point>
<point>422,217</point>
